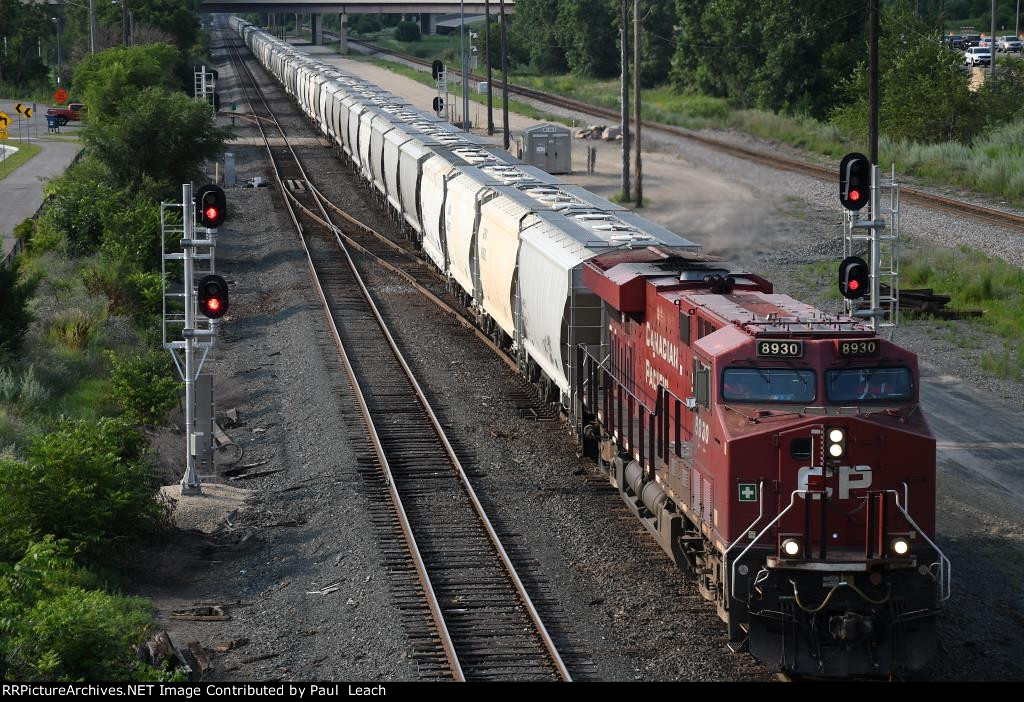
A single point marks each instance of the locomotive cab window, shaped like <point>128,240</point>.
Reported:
<point>684,328</point>
<point>869,385</point>
<point>702,384</point>
<point>768,385</point>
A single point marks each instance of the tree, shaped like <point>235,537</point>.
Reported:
<point>407,31</point>
<point>787,55</point>
<point>25,27</point>
<point>533,25</point>
<point>925,94</point>
<point>586,31</point>
<point>160,137</point>
<point>105,80</point>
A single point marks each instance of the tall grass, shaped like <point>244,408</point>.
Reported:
<point>975,280</point>
<point>992,164</point>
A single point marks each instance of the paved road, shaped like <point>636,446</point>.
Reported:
<point>979,436</point>
<point>21,192</point>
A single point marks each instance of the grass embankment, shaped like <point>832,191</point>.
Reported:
<point>24,153</point>
<point>991,165</point>
<point>973,280</point>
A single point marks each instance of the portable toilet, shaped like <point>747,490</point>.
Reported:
<point>548,147</point>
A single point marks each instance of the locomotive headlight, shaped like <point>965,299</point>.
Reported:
<point>900,547</point>
<point>836,442</point>
<point>791,547</point>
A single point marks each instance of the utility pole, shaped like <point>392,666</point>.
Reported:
<point>504,74</point>
<point>995,49</point>
<point>1016,23</point>
<point>92,26</point>
<point>627,190</point>
<point>490,83</point>
<point>465,66</point>
<point>639,196</point>
<point>124,22</point>
<point>873,96</point>
<point>56,20</point>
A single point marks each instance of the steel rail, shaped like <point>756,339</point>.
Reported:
<point>485,522</point>
<point>432,601</point>
<point>1008,220</point>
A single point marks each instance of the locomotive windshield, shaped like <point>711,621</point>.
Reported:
<point>869,384</point>
<point>768,385</point>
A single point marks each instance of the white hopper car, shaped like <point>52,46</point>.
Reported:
<point>510,238</point>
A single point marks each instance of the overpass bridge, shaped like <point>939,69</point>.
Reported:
<point>428,11</point>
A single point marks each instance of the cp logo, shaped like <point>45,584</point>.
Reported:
<point>850,478</point>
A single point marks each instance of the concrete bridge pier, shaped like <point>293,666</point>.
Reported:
<point>343,33</point>
<point>315,29</point>
<point>428,23</point>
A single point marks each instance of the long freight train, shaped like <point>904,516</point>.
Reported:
<point>777,453</point>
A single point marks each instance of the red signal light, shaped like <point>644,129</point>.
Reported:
<point>854,284</point>
<point>213,296</point>
<point>855,195</point>
<point>211,206</point>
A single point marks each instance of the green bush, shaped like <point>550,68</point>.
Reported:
<point>145,385</point>
<point>54,626</point>
<point>407,31</point>
<point>77,210</point>
<point>131,236</point>
<point>14,314</point>
<point>88,482</point>
<point>25,230</point>
<point>158,137</point>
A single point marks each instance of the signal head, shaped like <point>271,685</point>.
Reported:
<point>212,296</point>
<point>854,181</point>
<point>211,206</point>
<point>854,278</point>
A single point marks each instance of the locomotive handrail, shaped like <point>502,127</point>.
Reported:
<point>945,576</point>
<point>945,566</point>
<point>732,569</point>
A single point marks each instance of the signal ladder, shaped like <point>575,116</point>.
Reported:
<point>883,247</point>
<point>174,299</point>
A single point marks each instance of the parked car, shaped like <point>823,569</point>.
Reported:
<point>1010,44</point>
<point>978,56</point>
<point>73,111</point>
<point>954,41</point>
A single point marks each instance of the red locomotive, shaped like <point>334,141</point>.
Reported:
<point>776,452</point>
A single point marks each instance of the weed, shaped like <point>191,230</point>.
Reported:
<point>31,392</point>
<point>72,330</point>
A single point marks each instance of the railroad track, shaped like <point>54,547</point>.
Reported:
<point>991,215</point>
<point>442,546</point>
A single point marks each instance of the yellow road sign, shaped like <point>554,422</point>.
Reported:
<point>4,120</point>
<point>3,133</point>
<point>28,112</point>
<point>19,108</point>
